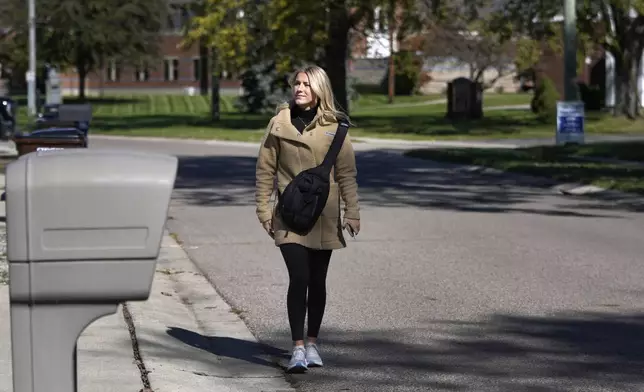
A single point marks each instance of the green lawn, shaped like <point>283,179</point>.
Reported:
<point>410,118</point>
<point>554,162</point>
<point>416,124</point>
<point>381,100</point>
<point>175,116</point>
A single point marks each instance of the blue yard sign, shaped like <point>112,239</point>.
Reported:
<point>570,122</point>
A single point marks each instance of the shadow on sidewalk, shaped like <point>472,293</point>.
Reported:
<point>244,350</point>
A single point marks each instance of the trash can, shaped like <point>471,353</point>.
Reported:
<point>49,139</point>
<point>65,116</point>
<point>7,117</point>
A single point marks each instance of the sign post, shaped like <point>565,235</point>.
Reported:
<point>570,122</point>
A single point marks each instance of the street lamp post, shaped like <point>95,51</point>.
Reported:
<point>31,74</point>
<point>570,112</point>
<point>570,50</point>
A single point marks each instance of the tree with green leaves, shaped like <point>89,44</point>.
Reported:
<point>85,34</point>
<point>617,26</point>
<point>289,32</point>
<point>224,31</point>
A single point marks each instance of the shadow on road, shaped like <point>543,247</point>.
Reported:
<point>229,347</point>
<point>388,180</point>
<point>578,351</point>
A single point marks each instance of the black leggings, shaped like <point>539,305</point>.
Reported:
<point>307,269</point>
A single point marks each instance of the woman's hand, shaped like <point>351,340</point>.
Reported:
<point>268,226</point>
<point>354,224</point>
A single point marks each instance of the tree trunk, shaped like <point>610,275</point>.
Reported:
<point>204,67</point>
<point>215,110</point>
<point>636,66</point>
<point>627,72</point>
<point>621,84</point>
<point>392,72</point>
<point>82,65</point>
<point>101,77</point>
<point>636,48</point>
<point>392,68</point>
<point>335,53</point>
<point>478,76</point>
<point>627,91</point>
<point>631,106</point>
<point>82,76</point>
<point>624,92</point>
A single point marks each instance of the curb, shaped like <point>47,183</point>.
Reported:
<point>212,142</point>
<point>497,143</point>
<point>433,143</point>
<point>390,143</point>
<point>216,320</point>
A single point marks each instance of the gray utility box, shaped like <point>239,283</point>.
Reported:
<point>84,230</point>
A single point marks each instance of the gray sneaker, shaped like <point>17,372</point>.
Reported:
<point>313,355</point>
<point>298,363</point>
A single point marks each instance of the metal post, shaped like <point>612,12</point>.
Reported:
<point>570,112</point>
<point>570,50</point>
<point>31,75</point>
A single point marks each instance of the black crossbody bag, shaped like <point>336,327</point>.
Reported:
<point>304,198</point>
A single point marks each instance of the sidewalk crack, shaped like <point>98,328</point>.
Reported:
<point>138,359</point>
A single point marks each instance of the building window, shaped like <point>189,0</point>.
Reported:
<point>113,71</point>
<point>141,74</point>
<point>171,69</point>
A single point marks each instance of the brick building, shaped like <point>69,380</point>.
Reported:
<point>176,71</point>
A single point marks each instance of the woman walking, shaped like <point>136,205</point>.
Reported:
<point>297,138</point>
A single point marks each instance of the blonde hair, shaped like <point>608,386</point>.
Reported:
<point>321,87</point>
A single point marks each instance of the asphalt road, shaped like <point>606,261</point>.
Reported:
<point>458,282</point>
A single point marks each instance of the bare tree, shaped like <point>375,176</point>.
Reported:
<point>462,32</point>
<point>481,51</point>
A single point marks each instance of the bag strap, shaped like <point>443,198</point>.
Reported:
<point>336,145</point>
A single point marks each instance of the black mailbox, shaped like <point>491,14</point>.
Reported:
<point>65,116</point>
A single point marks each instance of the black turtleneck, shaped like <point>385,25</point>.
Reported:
<point>301,118</point>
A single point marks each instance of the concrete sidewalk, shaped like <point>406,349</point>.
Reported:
<point>191,340</point>
<point>185,338</point>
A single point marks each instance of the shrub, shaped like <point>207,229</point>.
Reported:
<point>353,90</point>
<point>407,68</point>
<point>264,89</point>
<point>544,102</point>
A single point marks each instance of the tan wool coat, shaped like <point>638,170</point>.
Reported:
<point>284,153</point>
